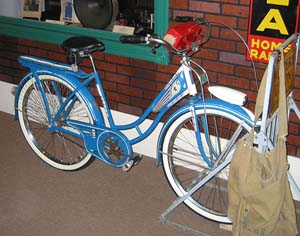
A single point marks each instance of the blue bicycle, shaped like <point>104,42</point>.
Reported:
<point>65,127</point>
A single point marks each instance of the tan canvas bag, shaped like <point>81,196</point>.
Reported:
<point>260,200</point>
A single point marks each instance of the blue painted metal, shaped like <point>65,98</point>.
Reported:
<point>95,136</point>
<point>198,131</point>
<point>172,93</point>
<point>70,77</point>
<point>94,139</point>
<point>216,104</point>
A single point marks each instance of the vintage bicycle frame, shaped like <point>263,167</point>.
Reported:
<point>179,86</point>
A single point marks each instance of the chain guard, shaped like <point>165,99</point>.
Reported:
<point>114,148</point>
<point>108,145</point>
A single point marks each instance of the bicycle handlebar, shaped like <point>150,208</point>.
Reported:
<point>184,18</point>
<point>155,41</point>
<point>150,39</point>
<point>133,39</point>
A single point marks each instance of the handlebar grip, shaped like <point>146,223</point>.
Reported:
<point>132,39</point>
<point>184,18</point>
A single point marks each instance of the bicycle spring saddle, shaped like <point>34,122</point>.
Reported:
<point>79,47</point>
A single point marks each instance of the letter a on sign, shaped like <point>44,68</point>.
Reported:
<point>270,23</point>
<point>273,20</point>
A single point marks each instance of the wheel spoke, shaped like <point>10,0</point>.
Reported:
<point>185,167</point>
<point>58,149</point>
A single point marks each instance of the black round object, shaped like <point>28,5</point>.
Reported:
<point>78,47</point>
<point>94,13</point>
<point>81,43</point>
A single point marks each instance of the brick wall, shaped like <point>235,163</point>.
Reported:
<point>131,84</point>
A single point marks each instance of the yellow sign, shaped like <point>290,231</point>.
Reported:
<point>270,23</point>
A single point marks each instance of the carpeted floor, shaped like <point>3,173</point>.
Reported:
<point>38,200</point>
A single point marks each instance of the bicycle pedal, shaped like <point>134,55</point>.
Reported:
<point>137,159</point>
<point>131,163</point>
<point>128,165</point>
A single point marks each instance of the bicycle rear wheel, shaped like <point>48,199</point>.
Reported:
<point>184,166</point>
<point>57,147</point>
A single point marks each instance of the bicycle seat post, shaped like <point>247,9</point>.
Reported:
<point>92,62</point>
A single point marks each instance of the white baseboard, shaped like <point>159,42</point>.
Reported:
<point>146,147</point>
<point>6,97</point>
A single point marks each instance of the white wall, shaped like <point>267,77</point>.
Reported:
<point>10,8</point>
<point>6,97</point>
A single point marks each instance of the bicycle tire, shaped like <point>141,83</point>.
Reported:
<point>184,166</point>
<point>58,149</point>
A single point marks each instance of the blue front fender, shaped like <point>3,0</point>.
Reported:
<point>74,82</point>
<point>216,104</point>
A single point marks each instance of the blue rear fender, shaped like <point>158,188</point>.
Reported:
<point>216,104</point>
<point>71,78</point>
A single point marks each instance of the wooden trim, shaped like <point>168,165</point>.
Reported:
<point>56,34</point>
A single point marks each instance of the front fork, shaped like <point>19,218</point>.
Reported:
<point>197,128</point>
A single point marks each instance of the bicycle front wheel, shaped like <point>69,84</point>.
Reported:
<point>62,150</point>
<point>185,165</point>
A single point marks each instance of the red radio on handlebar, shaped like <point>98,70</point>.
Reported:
<point>183,35</point>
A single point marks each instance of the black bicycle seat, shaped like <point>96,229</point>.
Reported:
<point>83,45</point>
